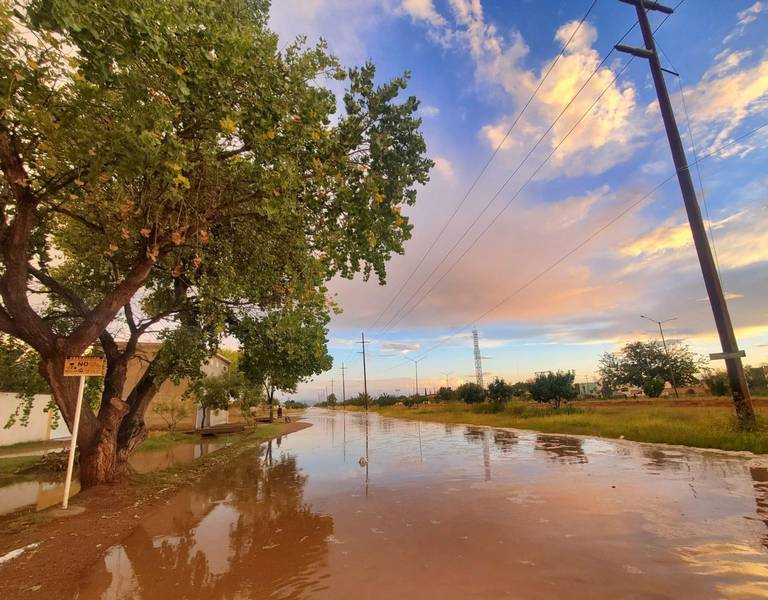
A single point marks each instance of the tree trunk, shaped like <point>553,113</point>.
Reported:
<point>100,461</point>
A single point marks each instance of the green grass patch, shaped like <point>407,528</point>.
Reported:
<point>167,440</point>
<point>12,469</point>
<point>697,426</point>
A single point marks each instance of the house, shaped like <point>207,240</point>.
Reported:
<point>170,392</point>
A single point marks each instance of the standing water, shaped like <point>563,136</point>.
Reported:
<point>445,511</point>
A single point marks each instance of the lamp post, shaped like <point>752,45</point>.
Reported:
<point>415,362</point>
<point>666,350</point>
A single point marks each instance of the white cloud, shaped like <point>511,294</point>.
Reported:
<point>744,18</point>
<point>724,99</point>
<point>429,111</point>
<point>610,134</point>
<point>402,348</point>
<point>422,10</point>
<point>444,167</point>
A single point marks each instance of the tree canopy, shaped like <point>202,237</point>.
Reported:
<point>554,387</point>
<point>165,164</point>
<point>647,365</point>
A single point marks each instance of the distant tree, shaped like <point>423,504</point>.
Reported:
<point>717,383</point>
<point>331,399</point>
<point>757,378</point>
<point>387,400</point>
<point>294,404</point>
<point>554,387</point>
<point>499,390</point>
<point>446,394</point>
<point>172,410</point>
<point>643,364</point>
<point>283,348</point>
<point>471,393</point>
<point>521,389</point>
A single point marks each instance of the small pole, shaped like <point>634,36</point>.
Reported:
<point>343,389</point>
<point>666,350</point>
<point>73,443</point>
<point>365,377</point>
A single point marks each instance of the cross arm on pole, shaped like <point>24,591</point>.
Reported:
<point>650,5</point>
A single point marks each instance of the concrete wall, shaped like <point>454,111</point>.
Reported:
<point>40,424</point>
<point>170,392</point>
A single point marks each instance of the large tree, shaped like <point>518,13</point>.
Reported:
<point>164,164</point>
<point>648,365</point>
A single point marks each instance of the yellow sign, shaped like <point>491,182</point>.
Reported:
<point>84,366</point>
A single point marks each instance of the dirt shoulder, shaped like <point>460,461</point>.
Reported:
<point>60,547</point>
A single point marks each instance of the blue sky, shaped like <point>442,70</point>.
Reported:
<point>474,65</point>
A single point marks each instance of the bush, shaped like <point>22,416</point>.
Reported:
<point>446,394</point>
<point>488,408</point>
<point>718,383</point>
<point>653,387</point>
<point>387,400</point>
<point>471,393</point>
<point>499,390</point>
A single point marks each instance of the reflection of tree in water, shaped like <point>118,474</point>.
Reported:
<point>386,425</point>
<point>245,532</point>
<point>562,448</point>
<point>760,483</point>
<point>504,440</point>
<point>474,434</point>
<point>661,460</point>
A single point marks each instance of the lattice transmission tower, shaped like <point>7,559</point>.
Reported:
<point>478,358</point>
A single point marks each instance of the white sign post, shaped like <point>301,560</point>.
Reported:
<point>82,367</point>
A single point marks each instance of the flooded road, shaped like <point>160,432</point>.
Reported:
<point>442,511</point>
<point>48,490</point>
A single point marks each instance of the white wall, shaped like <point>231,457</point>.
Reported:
<point>39,428</point>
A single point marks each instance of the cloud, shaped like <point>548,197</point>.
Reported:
<point>724,99</point>
<point>741,240</point>
<point>444,167</point>
<point>422,10</point>
<point>400,347</point>
<point>610,134</point>
<point>744,18</point>
<point>429,111</point>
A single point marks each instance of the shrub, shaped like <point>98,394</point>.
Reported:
<point>653,387</point>
<point>471,393</point>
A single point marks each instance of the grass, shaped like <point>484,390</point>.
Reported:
<point>12,469</point>
<point>164,441</point>
<point>698,426</point>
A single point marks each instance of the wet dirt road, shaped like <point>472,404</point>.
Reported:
<point>443,511</point>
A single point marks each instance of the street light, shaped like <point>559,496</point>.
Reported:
<point>666,350</point>
<point>415,362</point>
<point>447,378</point>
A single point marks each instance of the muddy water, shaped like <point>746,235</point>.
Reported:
<point>49,490</point>
<point>451,512</point>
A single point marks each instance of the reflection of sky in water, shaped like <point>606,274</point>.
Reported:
<point>440,506</point>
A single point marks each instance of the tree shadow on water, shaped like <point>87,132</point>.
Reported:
<point>243,532</point>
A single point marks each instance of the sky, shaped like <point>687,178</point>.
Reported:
<point>570,233</point>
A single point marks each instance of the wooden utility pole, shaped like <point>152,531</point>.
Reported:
<point>343,388</point>
<point>365,375</point>
<point>745,412</point>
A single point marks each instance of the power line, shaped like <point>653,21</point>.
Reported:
<point>586,241</point>
<point>394,320</point>
<point>486,165</point>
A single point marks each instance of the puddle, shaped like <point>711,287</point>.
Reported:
<point>450,512</point>
<point>49,491</point>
